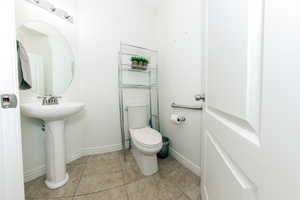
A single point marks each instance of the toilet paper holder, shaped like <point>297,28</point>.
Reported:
<point>177,118</point>
<point>181,119</point>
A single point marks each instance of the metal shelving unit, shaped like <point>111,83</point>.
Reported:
<point>126,52</point>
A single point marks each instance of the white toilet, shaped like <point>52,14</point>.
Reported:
<point>146,142</point>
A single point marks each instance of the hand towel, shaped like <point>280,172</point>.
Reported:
<point>25,81</point>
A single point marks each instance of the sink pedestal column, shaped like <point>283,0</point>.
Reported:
<point>55,158</point>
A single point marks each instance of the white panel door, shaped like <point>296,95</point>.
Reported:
<point>11,165</point>
<point>252,112</point>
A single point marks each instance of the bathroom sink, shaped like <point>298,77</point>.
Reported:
<point>51,112</point>
<point>54,122</point>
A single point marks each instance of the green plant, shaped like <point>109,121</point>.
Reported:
<point>139,60</point>
<point>146,61</point>
<point>134,59</point>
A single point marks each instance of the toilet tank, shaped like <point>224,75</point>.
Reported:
<point>137,116</point>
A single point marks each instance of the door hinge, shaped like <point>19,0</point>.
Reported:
<point>9,101</point>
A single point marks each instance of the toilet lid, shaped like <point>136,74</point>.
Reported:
<point>147,137</point>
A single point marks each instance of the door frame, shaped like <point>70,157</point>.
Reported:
<point>11,162</point>
<point>203,81</point>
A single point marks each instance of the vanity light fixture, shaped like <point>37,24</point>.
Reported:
<point>44,4</point>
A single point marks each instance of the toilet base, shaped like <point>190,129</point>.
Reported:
<point>147,163</point>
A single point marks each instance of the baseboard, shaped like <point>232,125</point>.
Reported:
<point>186,162</point>
<point>102,149</point>
<point>34,173</point>
<point>41,170</point>
<point>74,156</point>
<point>204,195</point>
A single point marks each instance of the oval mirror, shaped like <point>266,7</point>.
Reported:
<point>50,56</point>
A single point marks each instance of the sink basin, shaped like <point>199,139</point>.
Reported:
<point>51,112</point>
<point>54,117</point>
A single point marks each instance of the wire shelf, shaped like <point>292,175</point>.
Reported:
<point>127,50</point>
<point>127,67</point>
<point>133,86</point>
<point>138,47</point>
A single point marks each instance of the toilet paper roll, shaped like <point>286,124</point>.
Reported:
<point>177,119</point>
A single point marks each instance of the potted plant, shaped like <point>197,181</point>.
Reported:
<point>139,63</point>
<point>145,63</point>
<point>134,62</point>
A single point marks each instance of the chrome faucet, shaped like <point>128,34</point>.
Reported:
<point>49,100</point>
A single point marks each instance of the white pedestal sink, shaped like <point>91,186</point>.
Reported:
<point>54,117</point>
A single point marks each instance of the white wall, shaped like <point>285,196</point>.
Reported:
<point>102,25</point>
<point>32,136</point>
<point>173,27</point>
<point>179,36</point>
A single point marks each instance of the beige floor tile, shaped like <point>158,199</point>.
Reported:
<point>102,167</point>
<point>80,161</point>
<point>183,197</point>
<point>105,157</point>
<point>193,193</point>
<point>129,156</point>
<point>38,189</point>
<point>168,165</point>
<point>113,194</point>
<point>167,190</point>
<point>199,196</point>
<point>131,172</point>
<point>175,176</point>
<point>188,182</point>
<point>145,189</point>
<point>102,177</point>
<point>191,185</point>
<point>70,198</point>
<point>75,171</point>
<point>99,182</point>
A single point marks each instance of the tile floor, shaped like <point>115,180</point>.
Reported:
<point>108,177</point>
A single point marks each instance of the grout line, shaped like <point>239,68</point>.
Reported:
<point>184,195</point>
<point>123,175</point>
<point>75,191</point>
<point>100,191</point>
<point>52,198</point>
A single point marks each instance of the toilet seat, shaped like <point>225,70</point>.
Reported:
<point>147,138</point>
